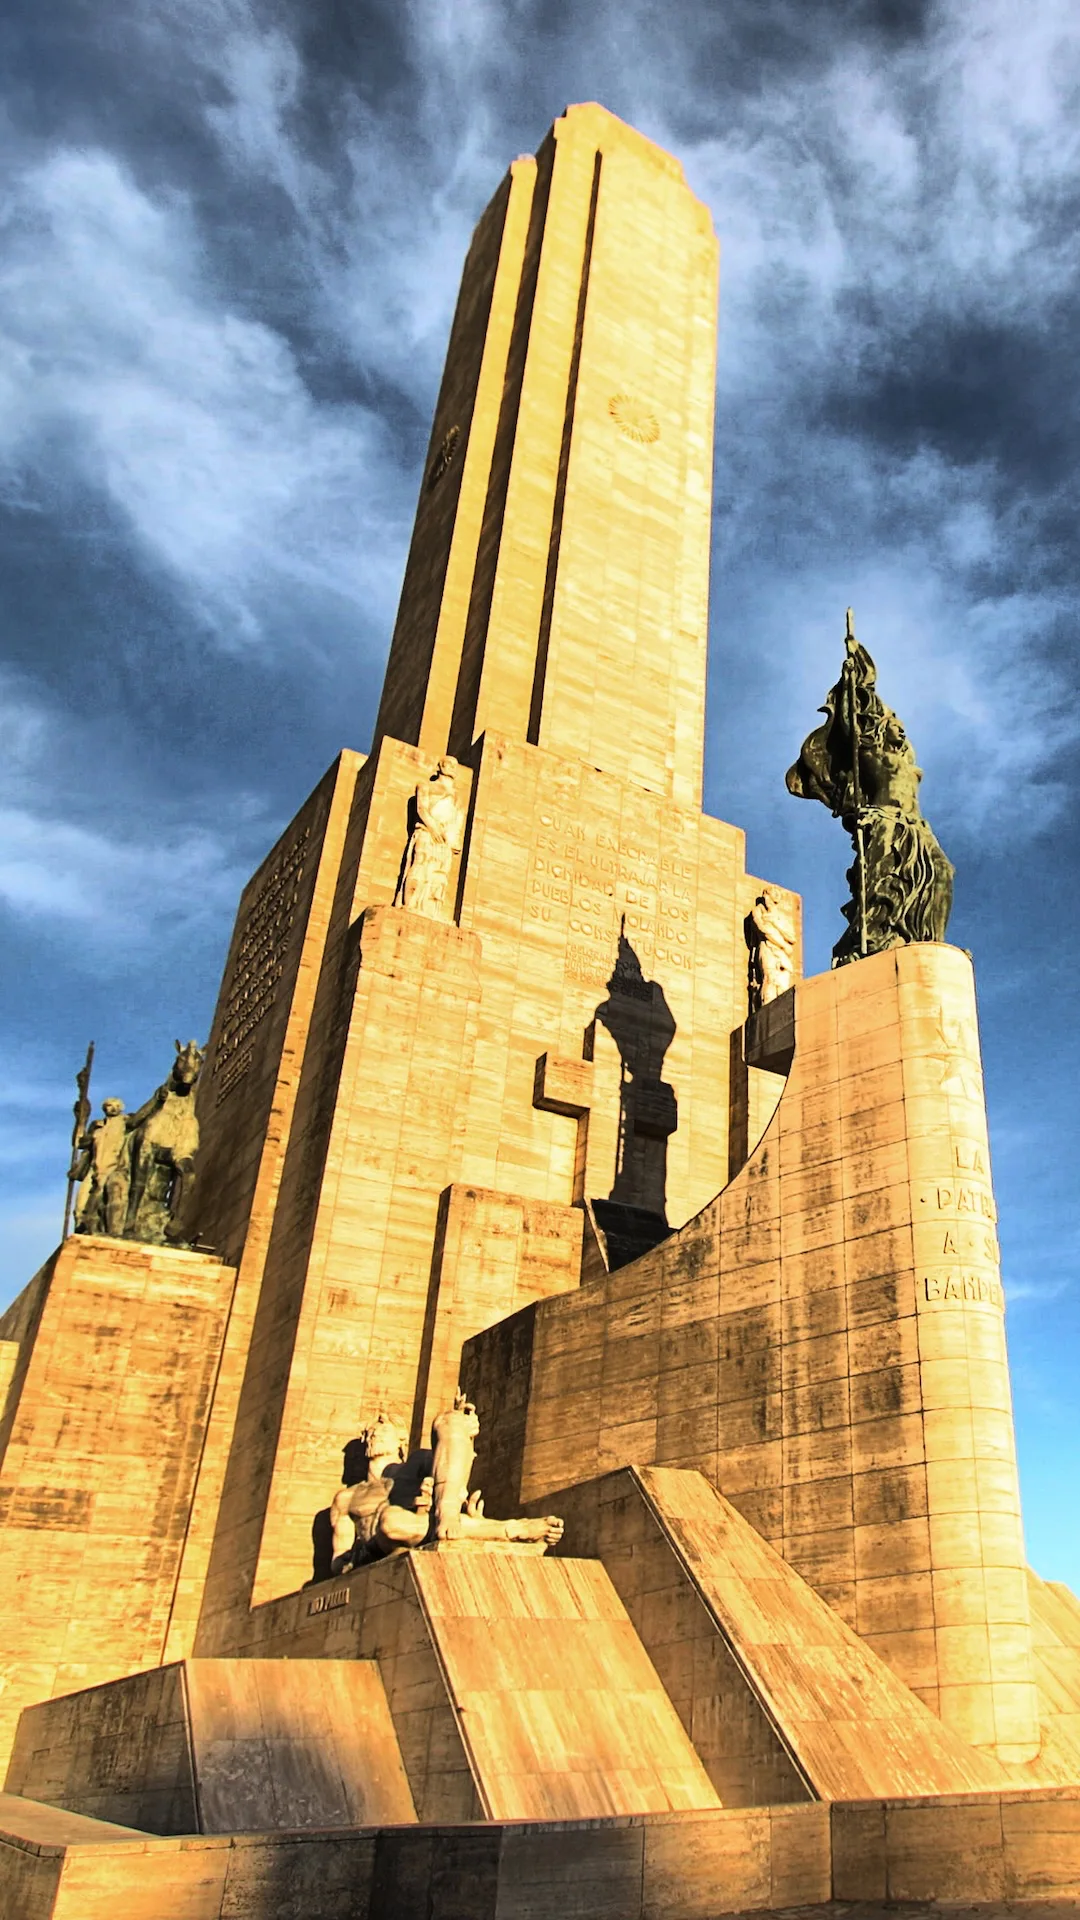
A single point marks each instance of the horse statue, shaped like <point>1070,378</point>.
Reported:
<point>164,1136</point>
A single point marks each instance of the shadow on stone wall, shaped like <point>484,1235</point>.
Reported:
<point>637,1016</point>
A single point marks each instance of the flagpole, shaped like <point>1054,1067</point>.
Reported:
<point>856,784</point>
<point>82,1110</point>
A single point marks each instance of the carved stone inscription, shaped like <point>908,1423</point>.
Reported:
<point>259,963</point>
<point>233,1074</point>
<point>329,1602</point>
<point>591,878</point>
<point>962,1285</point>
<point>959,1206</point>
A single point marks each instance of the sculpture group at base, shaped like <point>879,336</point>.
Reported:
<point>135,1170</point>
<point>423,1499</point>
<point>861,765</point>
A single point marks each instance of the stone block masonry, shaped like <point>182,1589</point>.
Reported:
<point>826,1343</point>
<point>117,1353</point>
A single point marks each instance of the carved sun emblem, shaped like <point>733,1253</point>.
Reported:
<point>634,419</point>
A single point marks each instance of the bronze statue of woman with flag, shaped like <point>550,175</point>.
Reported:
<point>861,765</point>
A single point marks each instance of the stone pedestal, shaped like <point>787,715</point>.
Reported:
<point>826,1343</point>
<point>220,1746</point>
<point>115,1352</point>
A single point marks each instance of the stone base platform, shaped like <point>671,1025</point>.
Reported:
<point>56,1866</point>
<point>216,1746</point>
<point>506,1686</point>
<point>988,1855</point>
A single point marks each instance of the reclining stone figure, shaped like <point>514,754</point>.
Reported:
<point>423,1500</point>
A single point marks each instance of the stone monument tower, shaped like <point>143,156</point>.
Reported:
<point>407,1106</point>
<point>526,1155</point>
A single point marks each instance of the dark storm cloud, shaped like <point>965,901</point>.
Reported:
<point>971,390</point>
<point>230,240</point>
<point>231,250</point>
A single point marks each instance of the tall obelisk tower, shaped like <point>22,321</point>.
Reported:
<point>561,547</point>
<point>413,1125</point>
<point>481,1074</point>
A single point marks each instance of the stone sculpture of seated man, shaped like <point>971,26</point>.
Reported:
<point>386,1510</point>
<point>424,1500</point>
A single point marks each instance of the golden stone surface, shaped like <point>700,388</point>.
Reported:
<point>728,1292</point>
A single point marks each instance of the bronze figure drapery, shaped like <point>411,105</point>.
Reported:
<point>861,765</point>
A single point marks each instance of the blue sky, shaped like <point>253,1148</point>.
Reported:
<point>231,240</point>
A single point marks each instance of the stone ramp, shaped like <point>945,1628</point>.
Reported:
<point>1067,1599</point>
<point>854,1729</point>
<point>220,1746</point>
<point>1055,1639</point>
<point>1055,1642</point>
<point>781,1699</point>
<point>517,1687</point>
<point>561,1711</point>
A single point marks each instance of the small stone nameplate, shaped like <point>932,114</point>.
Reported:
<point>326,1602</point>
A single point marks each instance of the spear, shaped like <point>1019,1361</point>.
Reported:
<point>82,1110</point>
<point>856,784</point>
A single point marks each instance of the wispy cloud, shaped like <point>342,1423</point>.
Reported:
<point>122,887</point>
<point>193,419</point>
<point>879,217</point>
<point>116,891</point>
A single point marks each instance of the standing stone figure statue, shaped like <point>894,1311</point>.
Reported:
<point>861,765</point>
<point>436,829</point>
<point>80,1113</point>
<point>103,1168</point>
<point>771,934</point>
<point>137,1169</point>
